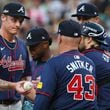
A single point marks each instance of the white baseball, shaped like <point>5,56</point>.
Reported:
<point>27,85</point>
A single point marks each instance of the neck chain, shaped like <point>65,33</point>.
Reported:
<point>11,48</point>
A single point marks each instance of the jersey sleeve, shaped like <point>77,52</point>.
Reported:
<point>48,82</point>
<point>39,100</point>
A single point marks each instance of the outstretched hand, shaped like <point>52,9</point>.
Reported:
<point>19,87</point>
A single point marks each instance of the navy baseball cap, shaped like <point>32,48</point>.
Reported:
<point>96,31</point>
<point>69,28</point>
<point>86,10</point>
<point>14,9</point>
<point>36,36</point>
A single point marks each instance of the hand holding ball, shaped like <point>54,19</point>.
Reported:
<point>27,85</point>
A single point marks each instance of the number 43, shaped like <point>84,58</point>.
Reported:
<point>75,86</point>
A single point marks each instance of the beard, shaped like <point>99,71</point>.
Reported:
<point>81,48</point>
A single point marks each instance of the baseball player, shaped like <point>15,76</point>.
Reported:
<point>87,12</point>
<point>14,59</point>
<point>93,37</point>
<point>67,80</point>
<point>38,42</point>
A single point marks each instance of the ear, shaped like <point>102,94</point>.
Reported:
<point>59,39</point>
<point>81,39</point>
<point>89,40</point>
<point>3,17</point>
<point>45,45</point>
<point>97,19</point>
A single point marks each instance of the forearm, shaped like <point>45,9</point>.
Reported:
<point>31,95</point>
<point>5,85</point>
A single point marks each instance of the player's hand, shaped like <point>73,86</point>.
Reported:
<point>30,94</point>
<point>35,83</point>
<point>19,87</point>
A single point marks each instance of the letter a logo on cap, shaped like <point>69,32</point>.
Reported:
<point>29,36</point>
<point>82,8</point>
<point>21,10</point>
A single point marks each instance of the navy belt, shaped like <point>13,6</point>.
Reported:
<point>8,102</point>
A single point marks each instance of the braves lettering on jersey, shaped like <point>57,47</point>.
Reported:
<point>101,59</point>
<point>14,64</point>
<point>67,83</point>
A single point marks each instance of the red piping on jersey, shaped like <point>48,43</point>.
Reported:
<point>72,52</point>
<point>97,90</point>
<point>3,43</point>
<point>43,93</point>
<point>14,57</point>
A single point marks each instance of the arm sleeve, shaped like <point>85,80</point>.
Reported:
<point>47,87</point>
<point>48,79</point>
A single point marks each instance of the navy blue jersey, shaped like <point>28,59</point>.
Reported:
<point>37,67</point>
<point>102,61</point>
<point>108,41</point>
<point>14,65</point>
<point>67,83</point>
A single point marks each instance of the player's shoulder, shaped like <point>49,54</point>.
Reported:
<point>58,57</point>
<point>20,41</point>
<point>55,60</point>
<point>87,59</point>
<point>93,52</point>
<point>65,57</point>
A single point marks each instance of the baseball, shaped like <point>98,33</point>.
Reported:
<point>27,85</point>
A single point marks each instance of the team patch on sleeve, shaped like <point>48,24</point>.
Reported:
<point>39,85</point>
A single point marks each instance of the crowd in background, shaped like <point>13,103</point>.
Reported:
<point>48,13</point>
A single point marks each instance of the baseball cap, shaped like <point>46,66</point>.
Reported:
<point>14,9</point>
<point>87,10</point>
<point>94,30</point>
<point>36,36</point>
<point>69,28</point>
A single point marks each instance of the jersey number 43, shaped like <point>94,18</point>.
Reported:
<point>76,86</point>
